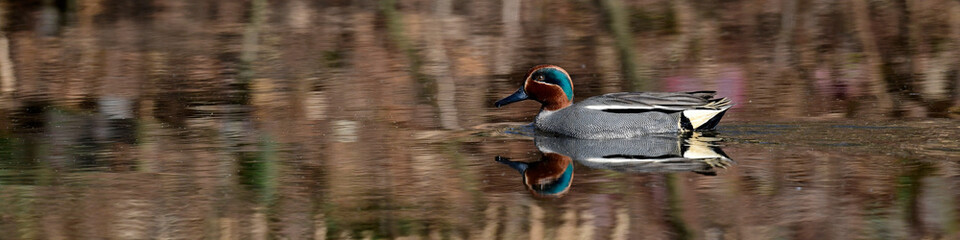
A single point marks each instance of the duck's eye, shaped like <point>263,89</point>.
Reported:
<point>538,78</point>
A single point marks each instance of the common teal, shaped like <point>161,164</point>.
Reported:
<point>549,177</point>
<point>644,154</point>
<point>614,115</point>
<point>552,175</point>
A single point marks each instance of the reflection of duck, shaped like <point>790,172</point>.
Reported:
<point>614,115</point>
<point>651,153</point>
<point>551,176</point>
<point>553,173</point>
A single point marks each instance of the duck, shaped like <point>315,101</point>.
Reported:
<point>654,153</point>
<point>614,115</point>
<point>551,176</point>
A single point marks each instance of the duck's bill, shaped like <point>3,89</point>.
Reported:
<point>517,96</point>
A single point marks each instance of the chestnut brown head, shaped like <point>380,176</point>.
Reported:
<point>548,84</point>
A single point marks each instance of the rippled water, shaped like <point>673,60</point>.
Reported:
<point>338,120</point>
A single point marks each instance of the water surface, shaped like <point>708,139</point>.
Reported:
<point>347,120</point>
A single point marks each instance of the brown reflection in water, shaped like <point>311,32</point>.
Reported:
<point>298,119</point>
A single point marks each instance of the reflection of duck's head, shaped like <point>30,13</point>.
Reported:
<point>551,176</point>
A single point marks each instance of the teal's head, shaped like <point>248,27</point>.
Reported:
<point>554,187</point>
<point>549,177</point>
<point>548,84</point>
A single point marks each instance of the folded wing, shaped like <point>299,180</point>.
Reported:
<point>627,102</point>
<point>698,110</point>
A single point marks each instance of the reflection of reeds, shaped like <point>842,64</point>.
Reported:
<point>258,170</point>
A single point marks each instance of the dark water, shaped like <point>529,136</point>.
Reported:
<point>339,120</point>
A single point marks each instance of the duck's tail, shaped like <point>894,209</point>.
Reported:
<point>706,117</point>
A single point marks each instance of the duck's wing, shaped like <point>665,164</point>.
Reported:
<point>656,101</point>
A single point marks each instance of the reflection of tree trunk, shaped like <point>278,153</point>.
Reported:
<point>471,68</point>
<point>931,54</point>
<point>897,55</point>
<point>504,51</point>
<point>587,227</point>
<point>620,27</point>
<point>920,55</point>
<point>439,63</point>
<point>536,222</point>
<point>910,191</point>
<point>608,65</point>
<point>7,79</point>
<point>251,39</point>
<point>434,64</point>
<point>621,227</point>
<point>708,69</point>
<point>686,24</point>
<point>674,207</point>
<point>758,47</point>
<point>259,225</point>
<point>862,25</point>
<point>785,62</point>
<point>122,63</point>
<point>491,221</point>
<point>825,76</point>
<point>319,225</point>
<point>698,38</point>
<point>953,71</point>
<point>513,220</point>
<point>568,228</point>
<point>788,20</point>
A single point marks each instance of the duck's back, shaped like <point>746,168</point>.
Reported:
<point>626,115</point>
